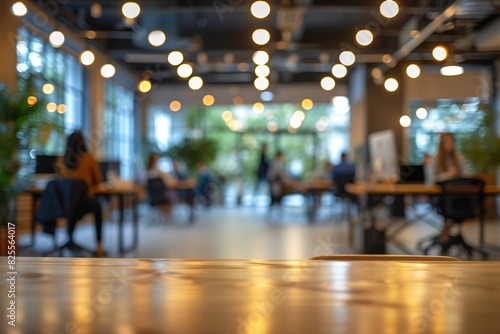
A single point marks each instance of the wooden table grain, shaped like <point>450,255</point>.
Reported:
<point>63,295</point>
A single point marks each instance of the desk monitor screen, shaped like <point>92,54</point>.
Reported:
<point>383,155</point>
<point>107,167</point>
<point>45,164</point>
<point>412,174</point>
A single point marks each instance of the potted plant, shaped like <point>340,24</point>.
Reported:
<point>192,151</point>
<point>482,149</point>
<point>21,118</point>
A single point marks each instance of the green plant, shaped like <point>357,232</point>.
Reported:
<point>22,121</point>
<point>192,151</point>
<point>482,147</point>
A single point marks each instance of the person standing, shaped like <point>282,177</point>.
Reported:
<point>261,170</point>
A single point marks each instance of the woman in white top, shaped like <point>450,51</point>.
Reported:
<point>447,164</point>
<point>155,171</point>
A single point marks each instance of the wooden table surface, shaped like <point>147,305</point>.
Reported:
<point>405,189</point>
<point>63,295</point>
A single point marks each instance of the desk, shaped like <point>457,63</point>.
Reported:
<point>361,189</point>
<point>75,295</point>
<point>104,190</point>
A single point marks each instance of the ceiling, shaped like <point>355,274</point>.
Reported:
<point>306,35</point>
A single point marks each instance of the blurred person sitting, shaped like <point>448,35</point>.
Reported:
<point>78,163</point>
<point>445,165</point>
<point>281,184</point>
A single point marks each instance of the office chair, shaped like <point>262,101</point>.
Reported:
<point>157,196</point>
<point>66,198</point>
<point>346,198</point>
<point>460,200</point>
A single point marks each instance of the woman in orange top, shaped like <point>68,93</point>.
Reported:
<point>77,163</point>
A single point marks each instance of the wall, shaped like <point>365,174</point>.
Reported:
<point>8,57</point>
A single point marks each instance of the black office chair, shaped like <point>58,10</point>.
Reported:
<point>157,196</point>
<point>460,200</point>
<point>346,198</point>
<point>66,198</point>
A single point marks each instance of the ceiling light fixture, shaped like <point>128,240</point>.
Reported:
<point>131,10</point>
<point>208,100</point>
<point>258,107</point>
<point>174,58</point>
<point>405,121</point>
<point>421,113</point>
<point>440,53</point>
<point>391,84</point>
<point>51,107</point>
<point>19,9</point>
<point>144,86</point>
<point>184,71</point>
<point>307,104</point>
<point>157,38</point>
<point>87,58</point>
<point>364,37</point>
<point>260,57</point>
<point>413,71</point>
<point>32,100</point>
<point>261,83</point>
<point>108,71</point>
<point>48,88</point>
<point>195,83</point>
<point>56,39</point>
<point>61,109</point>
<point>261,36</point>
<point>260,9</point>
<point>451,70</point>
<point>389,9</point>
<point>339,71</point>
<point>327,83</point>
<point>262,71</point>
<point>175,106</point>
<point>347,58</point>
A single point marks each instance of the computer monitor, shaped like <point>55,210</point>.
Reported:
<point>45,164</point>
<point>109,166</point>
<point>383,156</point>
<point>412,174</point>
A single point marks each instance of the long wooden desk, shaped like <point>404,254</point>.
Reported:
<point>62,295</point>
<point>104,190</point>
<point>362,189</point>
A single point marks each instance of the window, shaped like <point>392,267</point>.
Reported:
<point>119,127</point>
<point>47,65</point>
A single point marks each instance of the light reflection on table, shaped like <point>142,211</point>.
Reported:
<point>57,295</point>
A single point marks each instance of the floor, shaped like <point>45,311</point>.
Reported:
<point>253,230</point>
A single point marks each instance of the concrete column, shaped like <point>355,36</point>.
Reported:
<point>97,104</point>
<point>8,38</point>
<point>373,109</point>
<point>359,110</point>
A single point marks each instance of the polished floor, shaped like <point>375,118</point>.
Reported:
<point>253,230</point>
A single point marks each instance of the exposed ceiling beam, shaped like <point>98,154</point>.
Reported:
<point>413,43</point>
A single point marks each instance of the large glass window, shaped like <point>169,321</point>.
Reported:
<point>431,118</point>
<point>119,127</point>
<point>60,80</point>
